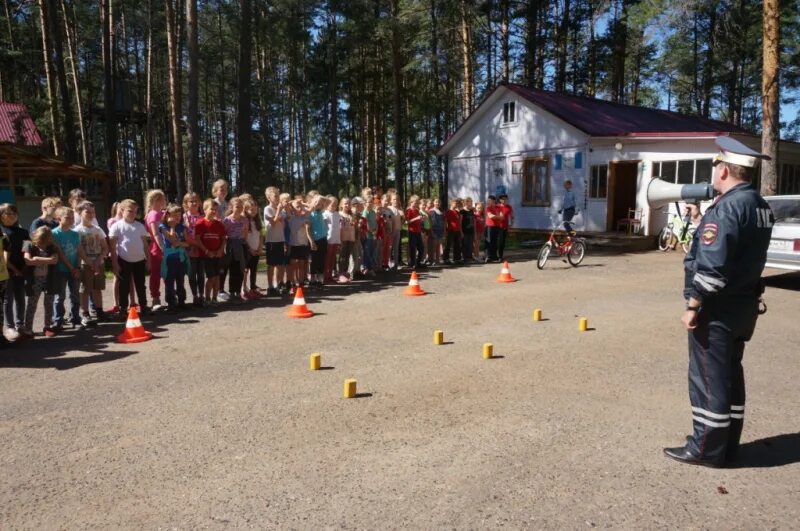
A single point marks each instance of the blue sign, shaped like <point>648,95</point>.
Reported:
<point>499,189</point>
<point>6,196</point>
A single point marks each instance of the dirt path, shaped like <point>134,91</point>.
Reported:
<point>219,423</point>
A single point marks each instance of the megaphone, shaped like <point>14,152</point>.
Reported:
<point>660,192</point>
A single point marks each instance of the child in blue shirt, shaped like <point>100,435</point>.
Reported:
<point>68,271</point>
<point>319,247</point>
<point>175,264</point>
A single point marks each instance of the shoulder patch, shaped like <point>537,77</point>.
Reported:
<point>709,234</point>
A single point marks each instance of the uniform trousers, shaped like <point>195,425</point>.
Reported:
<point>716,376</point>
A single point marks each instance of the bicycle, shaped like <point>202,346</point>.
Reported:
<point>677,231</point>
<point>573,247</point>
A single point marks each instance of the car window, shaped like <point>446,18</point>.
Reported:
<point>785,210</point>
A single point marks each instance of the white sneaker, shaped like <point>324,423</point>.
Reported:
<point>156,305</point>
<point>11,334</point>
<point>223,296</point>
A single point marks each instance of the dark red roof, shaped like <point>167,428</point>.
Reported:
<point>16,126</point>
<point>605,118</point>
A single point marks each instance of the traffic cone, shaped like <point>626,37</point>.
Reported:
<point>413,289</point>
<point>134,331</point>
<point>505,274</point>
<point>298,309</point>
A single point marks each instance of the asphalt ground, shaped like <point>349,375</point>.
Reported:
<point>218,422</point>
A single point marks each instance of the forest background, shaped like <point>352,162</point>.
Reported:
<point>340,94</point>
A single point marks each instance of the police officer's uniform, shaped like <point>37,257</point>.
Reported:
<point>723,270</point>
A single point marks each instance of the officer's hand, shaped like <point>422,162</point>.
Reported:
<point>689,319</point>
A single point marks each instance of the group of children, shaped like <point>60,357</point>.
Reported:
<point>308,241</point>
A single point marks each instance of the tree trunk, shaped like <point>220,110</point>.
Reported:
<point>193,93</point>
<point>592,52</point>
<point>505,53</point>
<point>173,57</point>
<point>50,76</point>
<point>108,91</point>
<point>243,126</point>
<point>397,111</point>
<point>71,32</point>
<point>562,39</point>
<point>770,103</point>
<point>620,47</point>
<point>333,102</point>
<point>708,67</point>
<point>531,41</point>
<point>490,67</point>
<point>150,162</point>
<point>70,142</point>
<point>468,87</point>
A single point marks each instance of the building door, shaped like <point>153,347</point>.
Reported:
<point>621,191</point>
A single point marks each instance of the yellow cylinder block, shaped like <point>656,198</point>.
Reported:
<point>438,337</point>
<point>583,324</point>
<point>537,314</point>
<point>314,361</point>
<point>350,388</point>
<point>488,351</point>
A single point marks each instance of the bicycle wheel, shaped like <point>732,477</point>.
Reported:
<point>544,253</point>
<point>665,239</point>
<point>576,253</point>
<point>686,244</point>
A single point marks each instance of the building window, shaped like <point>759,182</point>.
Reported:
<point>683,171</point>
<point>536,182</point>
<point>509,112</point>
<point>598,187</point>
<point>789,183</point>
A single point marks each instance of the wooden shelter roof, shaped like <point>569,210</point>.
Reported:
<point>17,162</point>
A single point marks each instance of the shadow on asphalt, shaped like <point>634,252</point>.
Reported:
<point>790,281</point>
<point>779,450</point>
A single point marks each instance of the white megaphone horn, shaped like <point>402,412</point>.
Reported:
<point>661,192</point>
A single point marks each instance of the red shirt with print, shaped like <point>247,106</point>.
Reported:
<point>507,213</point>
<point>493,211</point>
<point>413,226</point>
<point>210,233</point>
<point>452,221</point>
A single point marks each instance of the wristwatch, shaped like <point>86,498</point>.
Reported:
<point>693,308</point>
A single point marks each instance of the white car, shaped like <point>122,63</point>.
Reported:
<point>784,247</point>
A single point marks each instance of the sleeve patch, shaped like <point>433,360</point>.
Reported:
<point>709,234</point>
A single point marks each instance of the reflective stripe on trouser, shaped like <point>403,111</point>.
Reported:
<point>716,390</point>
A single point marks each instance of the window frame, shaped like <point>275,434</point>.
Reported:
<point>512,104</point>
<point>657,167</point>
<point>592,176</point>
<point>548,176</point>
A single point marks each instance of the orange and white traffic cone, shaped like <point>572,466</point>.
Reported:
<point>413,289</point>
<point>505,274</point>
<point>134,331</point>
<point>298,309</point>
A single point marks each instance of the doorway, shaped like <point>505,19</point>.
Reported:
<point>621,190</point>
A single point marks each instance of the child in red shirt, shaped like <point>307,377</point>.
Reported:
<point>415,249</point>
<point>452,222</point>
<point>506,222</point>
<point>210,236</point>
<point>494,227</point>
<point>480,227</point>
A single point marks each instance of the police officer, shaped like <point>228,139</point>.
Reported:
<point>722,290</point>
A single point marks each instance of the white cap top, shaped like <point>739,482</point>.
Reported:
<point>735,152</point>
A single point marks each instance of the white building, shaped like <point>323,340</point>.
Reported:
<point>527,142</point>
